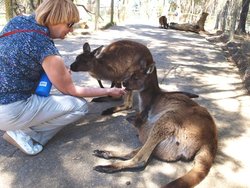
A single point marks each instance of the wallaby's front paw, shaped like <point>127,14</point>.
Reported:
<point>102,154</point>
<point>108,111</point>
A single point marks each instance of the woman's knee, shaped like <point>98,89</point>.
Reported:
<point>77,104</point>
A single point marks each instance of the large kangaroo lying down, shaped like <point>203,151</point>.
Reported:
<point>117,61</point>
<point>171,127</point>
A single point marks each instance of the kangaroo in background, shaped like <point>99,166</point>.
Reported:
<point>116,62</point>
<point>171,127</point>
<point>163,22</point>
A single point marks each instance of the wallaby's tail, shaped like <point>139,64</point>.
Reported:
<point>190,95</point>
<point>202,164</point>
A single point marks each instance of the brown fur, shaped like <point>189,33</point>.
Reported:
<point>118,61</point>
<point>115,63</point>
<point>163,22</point>
<point>171,127</point>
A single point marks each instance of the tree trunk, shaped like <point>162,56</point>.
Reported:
<point>178,10</point>
<point>34,5</point>
<point>243,17</point>
<point>97,13</point>
<point>224,15</point>
<point>234,13</point>
<point>217,22</point>
<point>112,12</point>
<point>8,9</point>
<point>122,10</point>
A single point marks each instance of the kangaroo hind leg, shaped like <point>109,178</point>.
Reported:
<point>156,135</point>
<point>115,154</point>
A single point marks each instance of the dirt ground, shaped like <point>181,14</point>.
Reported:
<point>236,51</point>
<point>185,61</point>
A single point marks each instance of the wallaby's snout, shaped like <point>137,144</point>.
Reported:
<point>73,67</point>
<point>126,85</point>
<point>78,64</point>
<point>82,63</point>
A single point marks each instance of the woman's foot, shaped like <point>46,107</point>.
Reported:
<point>23,141</point>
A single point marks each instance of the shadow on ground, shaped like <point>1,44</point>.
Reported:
<point>185,61</point>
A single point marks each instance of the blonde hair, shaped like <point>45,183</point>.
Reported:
<point>52,12</point>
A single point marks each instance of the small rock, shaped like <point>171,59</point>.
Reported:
<point>128,183</point>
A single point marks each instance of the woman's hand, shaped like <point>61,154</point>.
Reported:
<point>60,77</point>
<point>116,92</point>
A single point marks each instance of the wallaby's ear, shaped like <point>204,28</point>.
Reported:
<point>97,51</point>
<point>86,48</point>
<point>147,68</point>
<point>150,68</point>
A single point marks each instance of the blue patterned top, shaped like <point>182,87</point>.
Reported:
<point>21,57</point>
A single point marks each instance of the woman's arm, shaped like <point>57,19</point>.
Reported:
<point>61,78</point>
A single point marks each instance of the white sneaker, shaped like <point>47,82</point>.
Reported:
<point>22,141</point>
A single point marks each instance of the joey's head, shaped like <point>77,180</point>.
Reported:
<point>85,61</point>
<point>139,79</point>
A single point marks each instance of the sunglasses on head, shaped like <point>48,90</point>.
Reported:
<point>70,25</point>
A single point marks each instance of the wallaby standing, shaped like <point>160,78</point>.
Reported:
<point>171,127</point>
<point>163,22</point>
<point>115,63</point>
